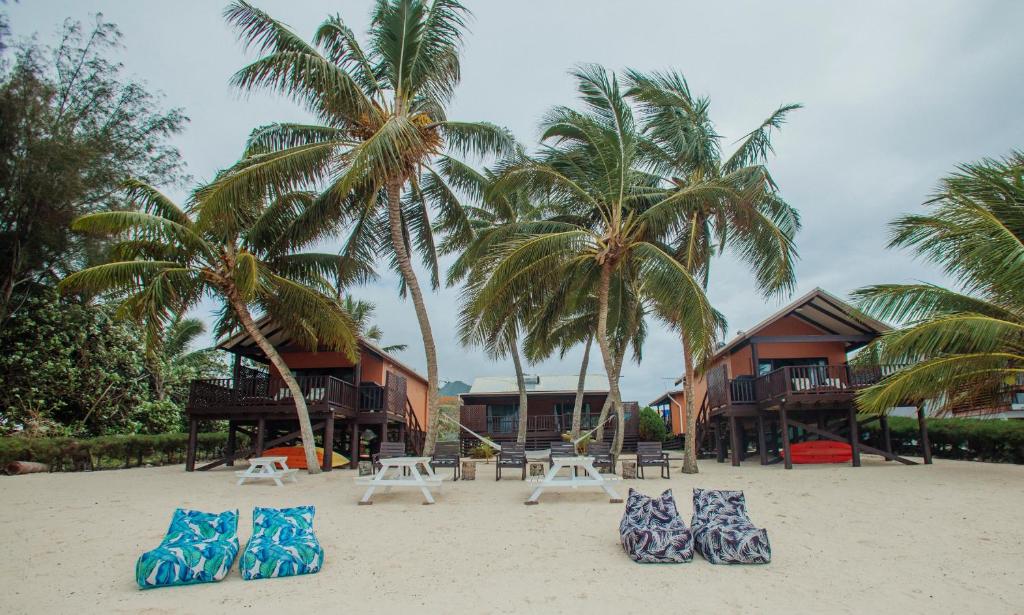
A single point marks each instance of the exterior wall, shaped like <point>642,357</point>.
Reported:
<point>371,368</point>
<point>741,363</point>
<point>416,390</point>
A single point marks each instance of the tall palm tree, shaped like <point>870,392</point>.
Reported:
<point>746,216</point>
<point>965,344</point>
<point>381,130</point>
<point>166,259</point>
<point>591,168</point>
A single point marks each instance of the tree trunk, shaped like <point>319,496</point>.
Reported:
<point>606,354</point>
<point>690,454</point>
<point>412,284</point>
<point>577,408</point>
<point>523,402</point>
<point>305,427</point>
<point>599,434</point>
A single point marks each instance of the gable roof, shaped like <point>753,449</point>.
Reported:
<point>504,385</point>
<point>242,343</point>
<point>822,310</point>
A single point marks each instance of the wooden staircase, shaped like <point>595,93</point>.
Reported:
<point>415,435</point>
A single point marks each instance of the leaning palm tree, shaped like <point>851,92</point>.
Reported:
<point>609,228</point>
<point>747,217</point>
<point>166,259</point>
<point>961,345</point>
<point>381,130</point>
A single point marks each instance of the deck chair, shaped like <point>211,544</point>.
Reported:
<point>199,547</point>
<point>282,545</point>
<point>447,455</point>
<point>602,454</point>
<point>650,454</point>
<point>511,456</point>
<point>562,449</point>
<point>723,532</point>
<point>388,450</point>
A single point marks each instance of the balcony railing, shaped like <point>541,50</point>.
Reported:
<point>271,391</point>
<point>478,421</point>
<point>794,380</point>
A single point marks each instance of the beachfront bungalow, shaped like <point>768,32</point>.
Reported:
<point>789,379</point>
<point>491,409</point>
<point>345,399</point>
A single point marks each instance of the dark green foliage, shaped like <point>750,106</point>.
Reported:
<point>652,426</point>
<point>106,452</point>
<point>971,439</point>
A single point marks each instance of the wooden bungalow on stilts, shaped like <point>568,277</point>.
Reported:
<point>788,379</point>
<point>376,393</point>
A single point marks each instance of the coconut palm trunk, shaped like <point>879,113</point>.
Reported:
<point>577,408</point>
<point>607,356</point>
<point>305,427</point>
<point>412,283</point>
<point>523,402</point>
<point>690,454</point>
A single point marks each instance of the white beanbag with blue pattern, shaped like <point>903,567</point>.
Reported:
<point>199,547</point>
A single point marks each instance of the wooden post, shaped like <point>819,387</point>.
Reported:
<point>193,440</point>
<point>762,447</point>
<point>719,451</point>
<point>883,421</point>
<point>354,452</point>
<point>232,443</point>
<point>328,461</point>
<point>734,436</point>
<point>854,437</point>
<point>261,435</point>
<point>784,426</point>
<point>926,447</point>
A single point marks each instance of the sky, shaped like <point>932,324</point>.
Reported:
<point>895,95</point>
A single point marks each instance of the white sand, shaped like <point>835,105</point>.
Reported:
<point>885,538</point>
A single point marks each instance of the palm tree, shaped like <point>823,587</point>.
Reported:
<point>167,259</point>
<point>965,344</point>
<point>172,354</point>
<point>381,131</point>
<point>361,312</point>
<point>610,225</point>
<point>746,216</point>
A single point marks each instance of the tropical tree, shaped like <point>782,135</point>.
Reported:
<point>381,133</point>
<point>961,344</point>
<point>361,312</point>
<point>610,227</point>
<point>171,359</point>
<point>166,259</point>
<point>741,211</point>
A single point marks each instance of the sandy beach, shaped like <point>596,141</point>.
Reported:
<point>882,538</point>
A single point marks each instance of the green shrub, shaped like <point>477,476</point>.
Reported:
<point>652,426</point>
<point>481,451</point>
<point>973,439</point>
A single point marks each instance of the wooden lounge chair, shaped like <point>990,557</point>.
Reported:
<point>446,455</point>
<point>511,456</point>
<point>562,449</point>
<point>602,454</point>
<point>650,454</point>
<point>388,449</point>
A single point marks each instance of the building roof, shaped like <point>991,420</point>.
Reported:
<point>666,396</point>
<point>242,343</point>
<point>822,310</point>
<point>544,383</point>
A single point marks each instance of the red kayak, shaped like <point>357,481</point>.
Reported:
<point>821,451</point>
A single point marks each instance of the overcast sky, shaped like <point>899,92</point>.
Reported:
<point>895,93</point>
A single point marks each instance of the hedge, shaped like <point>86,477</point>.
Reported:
<point>973,439</point>
<point>120,451</point>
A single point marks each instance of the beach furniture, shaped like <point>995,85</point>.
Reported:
<point>406,473</point>
<point>388,449</point>
<point>267,468</point>
<point>561,449</point>
<point>723,532</point>
<point>199,547</point>
<point>588,476</point>
<point>510,456</point>
<point>602,454</point>
<point>282,544</point>
<point>447,455</point>
<point>652,531</point>
<point>650,454</point>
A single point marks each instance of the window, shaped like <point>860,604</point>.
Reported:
<point>769,365</point>
<point>563,414</point>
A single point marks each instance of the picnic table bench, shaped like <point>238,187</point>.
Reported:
<point>261,468</point>
<point>405,473</point>
<point>589,477</point>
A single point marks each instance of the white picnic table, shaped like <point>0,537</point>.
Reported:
<point>401,472</point>
<point>273,468</point>
<point>590,478</point>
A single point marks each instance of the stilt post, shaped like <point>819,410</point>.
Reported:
<point>232,443</point>
<point>922,425</point>
<point>261,436</point>
<point>854,437</point>
<point>883,421</point>
<point>784,427</point>
<point>734,436</point>
<point>193,440</point>
<point>354,453</point>
<point>762,447</point>
<point>328,462</point>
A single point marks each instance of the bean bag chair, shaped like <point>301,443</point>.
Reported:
<point>282,544</point>
<point>652,531</point>
<point>199,547</point>
<point>722,531</point>
<point>296,456</point>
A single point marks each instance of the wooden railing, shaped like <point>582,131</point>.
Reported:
<point>790,380</point>
<point>475,418</point>
<point>371,397</point>
<point>270,391</point>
